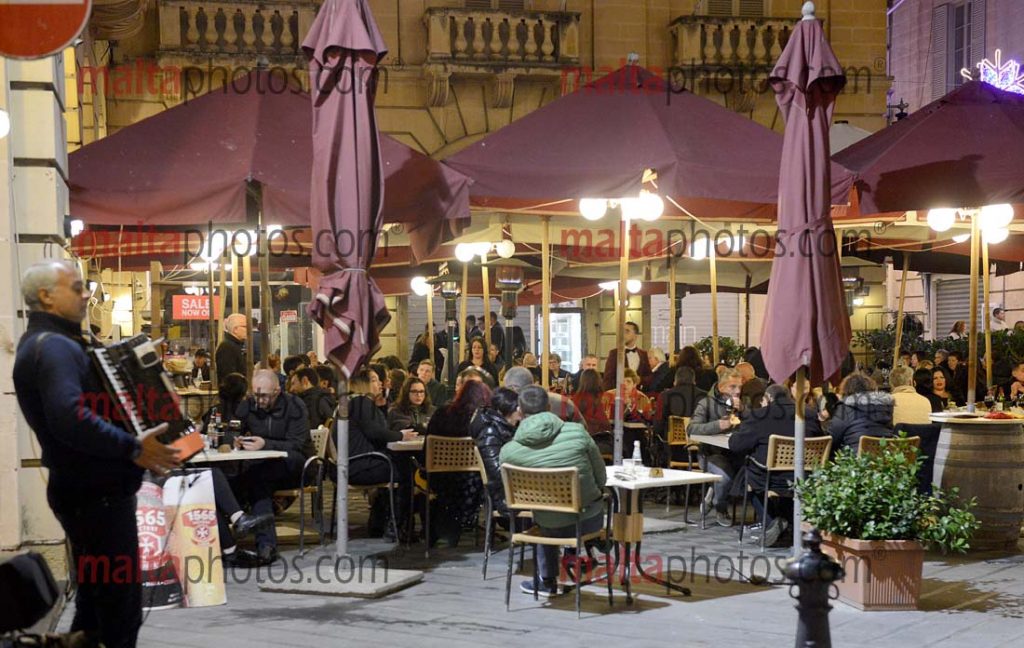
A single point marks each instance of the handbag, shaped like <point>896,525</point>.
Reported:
<point>27,591</point>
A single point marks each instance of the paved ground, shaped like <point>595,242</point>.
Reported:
<point>976,602</point>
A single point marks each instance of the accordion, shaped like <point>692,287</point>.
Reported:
<point>143,394</point>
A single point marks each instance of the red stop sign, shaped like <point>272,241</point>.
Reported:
<point>38,28</point>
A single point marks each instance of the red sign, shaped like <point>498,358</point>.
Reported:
<point>193,307</point>
<point>36,28</point>
<point>289,316</point>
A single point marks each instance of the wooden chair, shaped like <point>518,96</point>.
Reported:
<point>320,437</point>
<point>556,490</point>
<point>455,455</point>
<point>872,445</point>
<point>781,458</point>
<point>678,438</point>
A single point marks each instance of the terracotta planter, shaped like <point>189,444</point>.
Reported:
<point>880,574</point>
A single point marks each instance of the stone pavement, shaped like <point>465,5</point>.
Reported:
<point>976,602</point>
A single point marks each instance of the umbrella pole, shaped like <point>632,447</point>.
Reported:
<point>212,313</point>
<point>485,278</point>
<point>234,281</point>
<point>463,313</point>
<point>430,324</point>
<point>622,303</point>
<point>545,307</point>
<point>746,308</point>
<point>972,355</point>
<point>247,298</point>
<point>899,312</point>
<point>222,293</point>
<point>714,303</point>
<point>988,314</point>
<point>265,306</point>
<point>341,456</point>
<point>799,429</point>
<point>673,316</point>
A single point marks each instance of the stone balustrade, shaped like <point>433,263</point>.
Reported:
<point>729,41</point>
<point>502,38</point>
<point>270,28</point>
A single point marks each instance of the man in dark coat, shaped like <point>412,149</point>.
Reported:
<point>636,358</point>
<point>775,416</point>
<point>319,404</point>
<point>230,354</point>
<point>681,400</point>
<point>271,420</point>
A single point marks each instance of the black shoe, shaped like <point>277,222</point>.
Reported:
<point>546,590</point>
<point>267,555</point>
<point>249,523</point>
<point>243,558</point>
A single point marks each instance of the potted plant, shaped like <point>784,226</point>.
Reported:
<point>730,351</point>
<point>877,526</point>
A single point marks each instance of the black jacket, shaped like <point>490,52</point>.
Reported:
<point>865,414</point>
<point>752,438</point>
<point>65,403</point>
<point>438,393</point>
<point>661,379</point>
<point>319,406</point>
<point>230,356</point>
<point>285,426</point>
<point>681,400</point>
<point>413,419</point>
<point>491,431</point>
<point>367,427</point>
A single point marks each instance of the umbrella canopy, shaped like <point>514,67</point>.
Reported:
<point>963,150</point>
<point>195,163</point>
<point>347,183</point>
<point>598,141</point>
<point>806,323</point>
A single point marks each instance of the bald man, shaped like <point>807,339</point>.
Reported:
<point>230,356</point>
<point>271,420</point>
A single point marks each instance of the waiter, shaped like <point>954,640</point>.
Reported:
<point>95,467</point>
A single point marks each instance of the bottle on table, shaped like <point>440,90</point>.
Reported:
<point>638,461</point>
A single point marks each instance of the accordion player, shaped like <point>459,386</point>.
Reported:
<point>141,390</point>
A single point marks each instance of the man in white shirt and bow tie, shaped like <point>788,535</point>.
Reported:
<point>636,358</point>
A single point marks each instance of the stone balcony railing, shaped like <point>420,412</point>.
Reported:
<point>502,38</point>
<point>270,28</point>
<point>727,41</point>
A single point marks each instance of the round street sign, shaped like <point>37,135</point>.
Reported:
<point>37,28</point>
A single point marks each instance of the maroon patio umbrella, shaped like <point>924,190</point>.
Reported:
<point>347,183</point>
<point>806,324</point>
<point>806,327</point>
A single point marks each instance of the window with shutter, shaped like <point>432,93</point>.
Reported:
<point>939,53</point>
<point>978,51</point>
<point>503,5</point>
<point>751,8</point>
<point>719,7</point>
<point>745,8</point>
<point>479,5</point>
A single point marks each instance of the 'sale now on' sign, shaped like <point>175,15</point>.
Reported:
<point>194,307</point>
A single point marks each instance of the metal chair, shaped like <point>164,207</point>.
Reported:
<point>872,445</point>
<point>678,438</point>
<point>455,455</point>
<point>556,490</point>
<point>320,437</point>
<point>782,458</point>
<point>366,489</point>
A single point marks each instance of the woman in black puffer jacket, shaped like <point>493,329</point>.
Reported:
<point>492,427</point>
<point>864,411</point>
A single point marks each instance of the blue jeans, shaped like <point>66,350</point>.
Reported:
<point>547,556</point>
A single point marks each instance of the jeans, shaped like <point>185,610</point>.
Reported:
<point>547,556</point>
<point>227,505</point>
<point>258,483</point>
<point>105,550</point>
<point>724,465</point>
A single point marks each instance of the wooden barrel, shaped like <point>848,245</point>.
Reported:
<point>984,458</point>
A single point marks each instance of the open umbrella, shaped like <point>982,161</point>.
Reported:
<point>806,328</point>
<point>346,196</point>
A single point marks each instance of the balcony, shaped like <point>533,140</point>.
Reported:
<point>498,44</point>
<point>239,30</point>
<point>714,41</point>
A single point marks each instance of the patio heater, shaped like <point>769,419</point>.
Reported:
<point>510,280</point>
<point>450,292</point>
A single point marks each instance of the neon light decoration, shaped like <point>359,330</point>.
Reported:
<point>1002,75</point>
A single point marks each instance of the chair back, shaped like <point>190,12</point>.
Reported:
<point>872,445</point>
<point>677,430</point>
<point>782,452</point>
<point>320,437</point>
<point>542,489</point>
<point>454,454</point>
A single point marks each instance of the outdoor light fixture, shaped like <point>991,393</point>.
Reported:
<point>961,238</point>
<point>993,220</point>
<point>646,206</point>
<point>420,286</point>
<point>996,216</point>
<point>633,286</point>
<point>941,220</point>
<point>858,301</point>
<point>465,252</point>
<point>699,252</point>
<point>5,123</point>
<point>505,248</point>
<point>995,235</point>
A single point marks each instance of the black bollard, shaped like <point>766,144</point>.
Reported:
<point>813,573</point>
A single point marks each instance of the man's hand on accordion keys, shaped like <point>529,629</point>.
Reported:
<point>154,456</point>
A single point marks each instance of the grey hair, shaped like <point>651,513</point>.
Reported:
<point>516,378</point>
<point>265,375</point>
<point>901,376</point>
<point>43,276</point>
<point>230,319</point>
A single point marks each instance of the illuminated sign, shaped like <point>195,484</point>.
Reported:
<point>1003,75</point>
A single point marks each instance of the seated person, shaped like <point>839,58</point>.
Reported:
<point>775,416</point>
<point>588,401</point>
<point>941,389</point>
<point>923,386</point>
<point>328,379</point>
<point>715,414</point>
<point>556,375</point>
<point>234,523</point>
<point>436,391</point>
<point>543,440</point>
<point>271,420</point>
<point>319,404</point>
<point>518,378</point>
<point>412,410</point>
<point>1017,386</point>
<point>863,411</point>
<point>201,367</point>
<point>681,400</point>
<point>908,406</point>
<point>492,427</point>
<point>636,406</point>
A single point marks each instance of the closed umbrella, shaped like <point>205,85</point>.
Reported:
<point>346,196</point>
<point>806,328</point>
